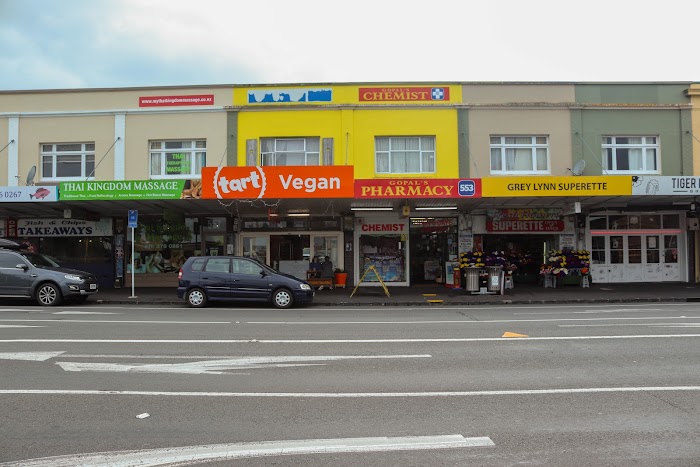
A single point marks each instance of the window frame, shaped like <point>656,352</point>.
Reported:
<point>275,153</point>
<point>609,149</point>
<point>503,146</point>
<point>87,167</point>
<point>421,153</point>
<point>197,154</point>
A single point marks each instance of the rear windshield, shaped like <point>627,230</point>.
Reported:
<point>198,263</point>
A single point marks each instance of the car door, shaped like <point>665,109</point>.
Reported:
<point>15,281</point>
<point>216,277</point>
<point>249,280</point>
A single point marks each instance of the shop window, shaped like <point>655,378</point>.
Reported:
<point>650,221</point>
<point>671,221</point>
<point>519,154</point>
<point>402,155</point>
<point>617,249</point>
<point>630,154</point>
<point>177,159</point>
<point>670,249</point>
<point>634,249</point>
<point>387,254</point>
<point>598,222</point>
<point>620,222</point>
<point>68,161</point>
<point>162,244</point>
<point>290,151</point>
<point>652,249</point>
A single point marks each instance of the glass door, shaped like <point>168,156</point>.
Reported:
<point>672,270</point>
<point>256,247</point>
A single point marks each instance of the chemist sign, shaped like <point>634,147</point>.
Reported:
<point>609,185</point>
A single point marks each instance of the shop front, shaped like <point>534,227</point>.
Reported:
<point>382,249</point>
<point>433,250</point>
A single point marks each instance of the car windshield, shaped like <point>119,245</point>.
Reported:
<point>40,260</point>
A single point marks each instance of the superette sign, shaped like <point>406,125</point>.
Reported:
<point>524,220</point>
<point>278,182</point>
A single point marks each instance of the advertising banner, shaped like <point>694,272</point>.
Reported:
<point>28,194</point>
<point>330,181</point>
<point>129,189</point>
<point>170,101</point>
<point>64,228</point>
<point>417,188</point>
<point>608,185</point>
<point>657,185</point>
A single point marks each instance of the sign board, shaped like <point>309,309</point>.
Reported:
<point>28,194</point>
<point>64,228</point>
<point>657,185</point>
<point>127,189</point>
<point>133,219</point>
<point>608,185</point>
<point>417,188</point>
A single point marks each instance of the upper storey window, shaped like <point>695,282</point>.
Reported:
<point>631,154</point>
<point>404,154</point>
<point>67,161</point>
<point>519,155</point>
<point>178,159</point>
<point>290,151</point>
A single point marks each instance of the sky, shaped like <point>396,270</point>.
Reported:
<point>72,44</point>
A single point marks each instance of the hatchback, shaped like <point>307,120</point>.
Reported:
<point>33,275</point>
<point>233,278</point>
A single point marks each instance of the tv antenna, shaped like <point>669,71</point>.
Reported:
<point>579,167</point>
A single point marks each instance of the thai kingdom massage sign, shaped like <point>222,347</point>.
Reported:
<point>332,181</point>
<point>536,220</point>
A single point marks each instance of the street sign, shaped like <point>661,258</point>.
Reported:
<point>133,219</point>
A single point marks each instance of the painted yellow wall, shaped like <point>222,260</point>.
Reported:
<point>142,128</point>
<point>353,132</point>
<point>35,131</point>
<point>694,93</point>
<point>556,124</point>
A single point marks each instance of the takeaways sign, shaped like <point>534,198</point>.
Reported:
<point>277,182</point>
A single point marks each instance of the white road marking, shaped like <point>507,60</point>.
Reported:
<point>92,321</point>
<point>466,321</point>
<point>653,325</point>
<point>19,326</point>
<point>29,356</point>
<point>347,395</point>
<point>220,452</point>
<point>631,310</point>
<point>86,313</point>
<point>219,367</point>
<point>341,341</point>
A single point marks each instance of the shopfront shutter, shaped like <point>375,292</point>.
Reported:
<point>251,152</point>
<point>327,151</point>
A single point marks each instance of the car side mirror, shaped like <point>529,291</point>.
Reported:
<point>22,266</point>
<point>263,273</point>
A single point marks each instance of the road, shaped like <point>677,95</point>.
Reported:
<point>603,384</point>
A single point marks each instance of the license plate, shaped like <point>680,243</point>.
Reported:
<point>93,286</point>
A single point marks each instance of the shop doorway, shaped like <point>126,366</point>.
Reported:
<point>527,251</point>
<point>433,250</point>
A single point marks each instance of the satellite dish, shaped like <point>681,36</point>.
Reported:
<point>579,167</point>
<point>30,175</point>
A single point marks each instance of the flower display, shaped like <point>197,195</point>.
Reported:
<point>561,262</point>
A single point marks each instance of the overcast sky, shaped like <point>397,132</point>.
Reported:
<point>58,44</point>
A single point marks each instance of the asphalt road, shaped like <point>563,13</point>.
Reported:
<point>603,384</point>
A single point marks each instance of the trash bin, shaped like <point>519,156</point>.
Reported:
<point>471,279</point>
<point>493,283</point>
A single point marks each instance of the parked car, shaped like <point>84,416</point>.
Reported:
<point>32,275</point>
<point>234,278</point>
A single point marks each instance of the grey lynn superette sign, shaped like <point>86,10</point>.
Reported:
<point>127,189</point>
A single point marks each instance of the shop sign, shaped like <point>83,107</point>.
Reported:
<point>126,190</point>
<point>417,188</point>
<point>333,181</point>
<point>63,228</point>
<point>10,228</point>
<point>28,194</point>
<point>170,101</point>
<point>405,94</point>
<point>524,220</point>
<point>652,185</point>
<point>609,185</point>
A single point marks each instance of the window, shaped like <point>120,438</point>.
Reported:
<point>249,268</point>
<point>218,265</point>
<point>290,151</point>
<point>178,159</point>
<point>631,154</point>
<point>70,161</point>
<point>401,155</point>
<point>519,154</point>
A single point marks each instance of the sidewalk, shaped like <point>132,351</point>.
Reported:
<point>439,295</point>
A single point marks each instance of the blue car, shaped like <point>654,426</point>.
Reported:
<point>233,278</point>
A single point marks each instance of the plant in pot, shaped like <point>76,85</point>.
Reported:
<point>340,277</point>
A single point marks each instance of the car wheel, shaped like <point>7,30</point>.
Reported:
<point>282,298</point>
<point>48,294</point>
<point>196,298</point>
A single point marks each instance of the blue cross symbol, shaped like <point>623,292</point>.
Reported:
<point>438,94</point>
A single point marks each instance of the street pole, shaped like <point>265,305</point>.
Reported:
<point>133,270</point>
